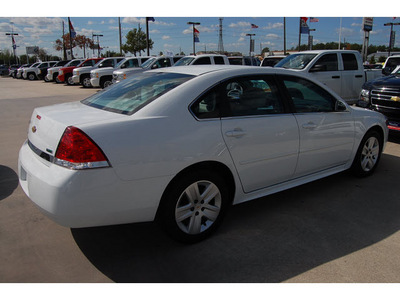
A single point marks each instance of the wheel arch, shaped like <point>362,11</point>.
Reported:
<point>213,166</point>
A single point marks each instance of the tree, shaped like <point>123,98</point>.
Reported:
<point>265,50</point>
<point>136,42</point>
<point>84,42</point>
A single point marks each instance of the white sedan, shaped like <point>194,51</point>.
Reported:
<point>179,145</point>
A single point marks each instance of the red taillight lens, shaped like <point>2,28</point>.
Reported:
<point>78,151</point>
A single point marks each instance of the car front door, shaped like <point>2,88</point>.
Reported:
<point>326,70</point>
<point>262,138</point>
<point>326,127</point>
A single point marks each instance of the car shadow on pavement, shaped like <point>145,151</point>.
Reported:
<point>8,181</point>
<point>271,239</point>
<point>394,137</point>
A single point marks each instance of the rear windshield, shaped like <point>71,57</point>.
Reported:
<point>130,95</point>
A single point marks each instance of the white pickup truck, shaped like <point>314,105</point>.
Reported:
<point>341,70</point>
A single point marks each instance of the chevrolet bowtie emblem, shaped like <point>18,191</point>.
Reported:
<point>395,98</point>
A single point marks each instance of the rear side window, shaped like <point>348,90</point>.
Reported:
<point>132,94</point>
<point>218,60</point>
<point>349,61</point>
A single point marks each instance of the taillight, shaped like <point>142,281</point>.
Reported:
<point>78,151</point>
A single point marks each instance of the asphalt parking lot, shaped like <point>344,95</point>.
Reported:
<point>338,229</point>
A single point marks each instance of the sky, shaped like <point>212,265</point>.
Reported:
<point>171,33</point>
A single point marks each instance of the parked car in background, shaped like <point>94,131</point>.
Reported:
<point>373,66</point>
<point>12,70</point>
<point>38,70</point>
<point>271,61</point>
<point>341,70</point>
<point>244,60</point>
<point>390,64</point>
<point>203,59</point>
<point>128,63</point>
<point>65,73</point>
<point>4,70</point>
<point>31,70</point>
<point>150,64</point>
<point>81,75</point>
<point>180,145</point>
<point>102,76</point>
<point>52,72</point>
<point>383,95</point>
<point>20,70</point>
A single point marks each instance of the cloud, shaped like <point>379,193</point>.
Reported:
<point>240,24</point>
<point>166,37</point>
<point>272,36</point>
<point>274,26</point>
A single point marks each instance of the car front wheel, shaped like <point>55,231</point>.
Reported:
<point>368,154</point>
<point>86,82</point>
<point>193,207</point>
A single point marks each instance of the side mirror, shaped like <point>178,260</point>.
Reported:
<point>340,106</point>
<point>318,68</point>
<point>386,71</point>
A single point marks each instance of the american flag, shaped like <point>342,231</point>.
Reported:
<point>314,19</point>
<point>254,26</point>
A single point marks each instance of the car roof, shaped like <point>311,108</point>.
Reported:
<point>198,70</point>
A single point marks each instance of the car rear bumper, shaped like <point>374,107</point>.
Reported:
<point>86,198</point>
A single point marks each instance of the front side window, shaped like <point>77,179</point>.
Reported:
<point>327,62</point>
<point>202,61</point>
<point>307,96</point>
<point>132,94</point>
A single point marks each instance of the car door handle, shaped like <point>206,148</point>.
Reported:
<point>310,125</point>
<point>336,77</point>
<point>237,132</point>
<point>359,76</point>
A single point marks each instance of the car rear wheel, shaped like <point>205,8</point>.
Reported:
<point>368,154</point>
<point>194,206</point>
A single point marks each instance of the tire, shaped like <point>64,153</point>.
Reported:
<point>68,79</point>
<point>104,83</point>
<point>46,79</point>
<point>193,206</point>
<point>31,76</point>
<point>86,82</point>
<point>368,154</point>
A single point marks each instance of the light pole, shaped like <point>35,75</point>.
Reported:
<point>193,23</point>
<point>251,42</point>
<point>391,41</point>
<point>98,43</point>
<point>310,42</point>
<point>13,44</point>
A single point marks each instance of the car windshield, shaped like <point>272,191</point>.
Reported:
<point>295,61</point>
<point>120,63</point>
<point>148,62</point>
<point>131,95</point>
<point>184,61</point>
